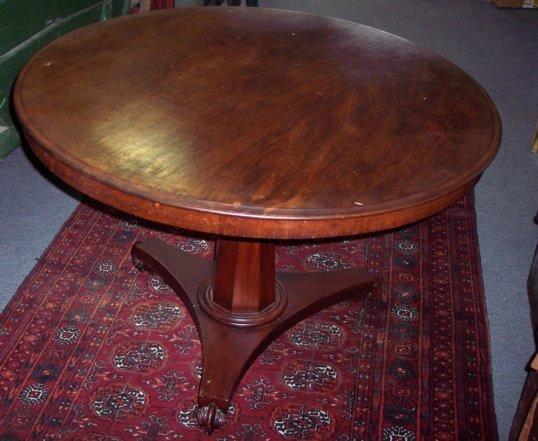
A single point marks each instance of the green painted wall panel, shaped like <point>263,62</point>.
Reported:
<point>28,25</point>
<point>19,20</point>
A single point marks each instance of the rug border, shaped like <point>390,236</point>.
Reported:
<point>46,252</point>
<point>486,330</point>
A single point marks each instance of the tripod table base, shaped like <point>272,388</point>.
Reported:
<point>232,340</point>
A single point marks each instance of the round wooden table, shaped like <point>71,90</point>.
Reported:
<point>256,126</point>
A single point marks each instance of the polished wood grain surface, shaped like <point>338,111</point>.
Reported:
<point>257,123</point>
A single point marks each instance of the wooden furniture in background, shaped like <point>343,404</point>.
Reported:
<point>516,3</point>
<point>525,424</point>
<point>328,128</point>
<point>534,147</point>
<point>147,5</point>
<point>529,428</point>
<point>231,2</point>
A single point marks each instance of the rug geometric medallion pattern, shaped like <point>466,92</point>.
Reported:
<point>93,349</point>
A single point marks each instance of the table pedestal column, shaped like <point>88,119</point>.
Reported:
<point>239,306</point>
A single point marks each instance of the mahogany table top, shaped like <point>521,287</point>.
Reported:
<point>256,123</point>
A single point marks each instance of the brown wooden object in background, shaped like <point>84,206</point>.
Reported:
<point>525,423</point>
<point>254,125</point>
<point>534,146</point>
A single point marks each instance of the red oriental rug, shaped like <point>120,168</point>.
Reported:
<point>91,349</point>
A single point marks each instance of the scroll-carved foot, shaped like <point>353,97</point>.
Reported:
<point>210,417</point>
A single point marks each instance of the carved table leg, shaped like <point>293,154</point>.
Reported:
<point>239,307</point>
